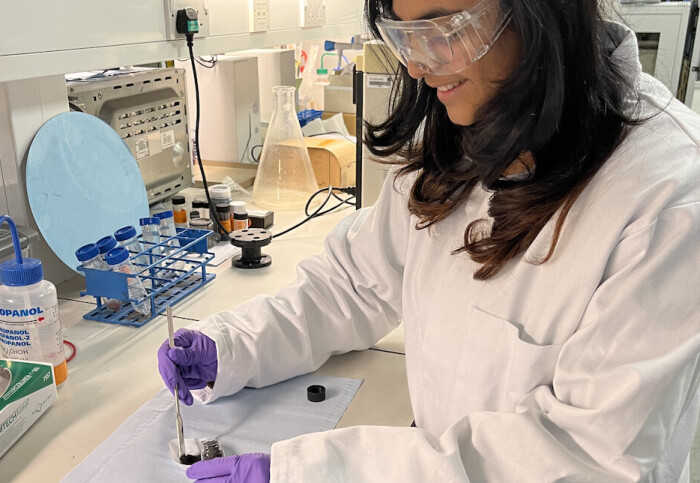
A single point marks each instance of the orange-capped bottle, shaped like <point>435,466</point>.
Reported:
<point>179,211</point>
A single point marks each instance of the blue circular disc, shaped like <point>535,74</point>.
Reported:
<point>83,183</point>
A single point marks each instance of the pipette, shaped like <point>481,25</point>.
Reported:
<point>178,418</point>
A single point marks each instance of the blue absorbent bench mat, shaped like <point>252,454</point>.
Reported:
<point>247,422</point>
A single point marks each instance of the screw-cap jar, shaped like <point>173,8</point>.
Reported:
<point>106,244</point>
<point>117,256</point>
<point>87,252</point>
<point>223,208</point>
<point>201,224</point>
<point>164,214</point>
<point>149,221</point>
<point>219,193</point>
<point>239,207</point>
<point>125,233</point>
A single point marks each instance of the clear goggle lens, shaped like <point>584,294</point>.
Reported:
<point>445,45</point>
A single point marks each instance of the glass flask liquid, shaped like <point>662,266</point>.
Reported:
<point>285,179</point>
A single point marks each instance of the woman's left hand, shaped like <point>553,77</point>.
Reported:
<point>246,468</point>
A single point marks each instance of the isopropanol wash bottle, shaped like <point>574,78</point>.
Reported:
<point>30,328</point>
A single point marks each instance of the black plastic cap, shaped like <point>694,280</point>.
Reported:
<point>316,393</point>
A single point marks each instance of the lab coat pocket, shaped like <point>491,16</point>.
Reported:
<point>496,367</point>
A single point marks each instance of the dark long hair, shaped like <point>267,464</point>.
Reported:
<point>566,103</point>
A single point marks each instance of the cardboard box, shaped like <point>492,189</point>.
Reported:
<point>333,161</point>
<point>27,389</point>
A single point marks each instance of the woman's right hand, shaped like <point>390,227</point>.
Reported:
<point>191,364</point>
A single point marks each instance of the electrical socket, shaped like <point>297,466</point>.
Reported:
<point>313,13</point>
<point>259,15</point>
<point>171,8</point>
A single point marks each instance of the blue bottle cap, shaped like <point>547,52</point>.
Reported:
<point>149,221</point>
<point>125,233</point>
<point>164,214</point>
<point>15,274</point>
<point>21,271</point>
<point>87,252</point>
<point>106,244</point>
<point>117,256</point>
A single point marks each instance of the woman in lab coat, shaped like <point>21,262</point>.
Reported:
<point>540,246</point>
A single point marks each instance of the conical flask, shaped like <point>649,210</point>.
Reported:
<point>285,179</point>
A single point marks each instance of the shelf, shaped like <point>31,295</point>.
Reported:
<point>41,64</point>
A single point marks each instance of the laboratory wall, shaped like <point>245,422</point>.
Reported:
<point>78,24</point>
<point>228,17</point>
<point>285,14</point>
<point>3,195</point>
<point>343,12</point>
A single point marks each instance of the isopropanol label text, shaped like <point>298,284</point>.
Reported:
<point>20,312</point>
<point>18,338</point>
<point>20,331</point>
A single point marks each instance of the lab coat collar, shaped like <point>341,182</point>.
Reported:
<point>623,48</point>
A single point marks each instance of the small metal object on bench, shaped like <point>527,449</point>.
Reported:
<point>210,448</point>
<point>251,241</point>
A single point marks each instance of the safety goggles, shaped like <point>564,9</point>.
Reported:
<point>445,45</point>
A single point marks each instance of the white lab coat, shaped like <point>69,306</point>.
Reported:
<point>585,368</point>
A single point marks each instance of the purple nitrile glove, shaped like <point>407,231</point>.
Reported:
<point>246,468</point>
<point>191,364</point>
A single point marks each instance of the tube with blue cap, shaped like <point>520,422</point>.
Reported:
<point>128,238</point>
<point>118,261</point>
<point>89,256</point>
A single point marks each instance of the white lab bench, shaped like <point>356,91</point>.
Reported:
<point>115,369</point>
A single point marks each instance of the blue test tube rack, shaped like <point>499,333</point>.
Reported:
<point>168,278</point>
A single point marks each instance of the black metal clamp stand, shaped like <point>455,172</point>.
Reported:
<point>251,241</point>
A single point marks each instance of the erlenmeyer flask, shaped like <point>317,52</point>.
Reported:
<point>285,179</point>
